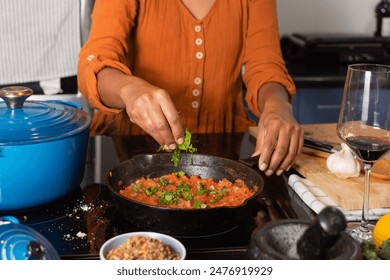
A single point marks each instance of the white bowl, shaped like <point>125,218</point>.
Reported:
<point>115,241</point>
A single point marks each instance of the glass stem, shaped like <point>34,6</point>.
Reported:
<point>366,196</point>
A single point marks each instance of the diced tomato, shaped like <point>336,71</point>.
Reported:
<point>185,192</point>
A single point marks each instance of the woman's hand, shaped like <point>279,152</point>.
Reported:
<point>149,107</point>
<point>280,137</point>
<point>152,109</point>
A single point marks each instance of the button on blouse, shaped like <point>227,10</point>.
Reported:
<point>195,92</point>
<point>197,81</point>
<point>198,28</point>
<point>195,104</point>
<point>199,55</point>
<point>198,41</point>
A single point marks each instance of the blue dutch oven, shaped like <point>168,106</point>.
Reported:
<point>43,148</point>
<point>20,242</point>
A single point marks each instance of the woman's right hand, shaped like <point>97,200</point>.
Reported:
<point>150,107</point>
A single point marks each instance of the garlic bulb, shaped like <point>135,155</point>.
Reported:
<point>343,163</point>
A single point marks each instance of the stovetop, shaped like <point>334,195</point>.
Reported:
<point>78,224</point>
<point>61,222</point>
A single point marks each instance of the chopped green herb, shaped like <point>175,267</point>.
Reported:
<point>167,198</point>
<point>371,252</point>
<point>202,189</point>
<point>216,198</point>
<point>164,182</point>
<point>180,173</point>
<point>384,250</point>
<point>199,205</point>
<point>185,146</point>
<point>176,157</point>
<point>183,187</point>
<point>187,195</point>
<point>136,187</point>
<point>221,194</point>
<point>151,190</point>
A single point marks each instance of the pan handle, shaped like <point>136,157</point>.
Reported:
<point>251,161</point>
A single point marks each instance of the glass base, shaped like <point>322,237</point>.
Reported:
<point>359,232</point>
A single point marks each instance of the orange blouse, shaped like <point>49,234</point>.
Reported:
<point>201,63</point>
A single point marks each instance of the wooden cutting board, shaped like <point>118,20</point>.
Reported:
<point>346,192</point>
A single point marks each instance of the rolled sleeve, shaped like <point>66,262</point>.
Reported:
<point>107,46</point>
<point>263,60</point>
<point>252,94</point>
<point>87,80</point>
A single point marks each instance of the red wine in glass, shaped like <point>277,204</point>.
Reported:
<point>368,148</point>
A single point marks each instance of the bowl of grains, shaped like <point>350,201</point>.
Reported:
<point>142,245</point>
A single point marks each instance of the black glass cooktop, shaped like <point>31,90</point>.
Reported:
<point>78,224</point>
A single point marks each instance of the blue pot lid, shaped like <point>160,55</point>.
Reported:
<point>20,242</point>
<point>26,122</point>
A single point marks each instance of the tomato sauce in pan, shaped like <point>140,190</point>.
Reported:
<point>176,190</point>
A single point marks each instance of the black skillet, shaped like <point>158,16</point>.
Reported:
<point>183,222</point>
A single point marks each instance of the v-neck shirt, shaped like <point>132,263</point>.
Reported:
<point>203,64</point>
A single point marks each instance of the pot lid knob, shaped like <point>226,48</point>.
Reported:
<point>14,96</point>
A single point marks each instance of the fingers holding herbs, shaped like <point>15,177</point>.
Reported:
<point>156,114</point>
<point>185,146</point>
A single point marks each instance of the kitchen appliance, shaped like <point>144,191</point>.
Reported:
<point>43,147</point>
<point>335,49</point>
<point>79,224</point>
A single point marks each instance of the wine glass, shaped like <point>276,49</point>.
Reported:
<point>364,125</point>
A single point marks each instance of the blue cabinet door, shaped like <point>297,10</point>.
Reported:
<point>317,105</point>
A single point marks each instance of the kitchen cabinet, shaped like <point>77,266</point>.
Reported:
<point>317,105</point>
<point>318,65</point>
<point>313,104</point>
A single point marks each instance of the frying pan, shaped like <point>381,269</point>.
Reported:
<point>183,222</point>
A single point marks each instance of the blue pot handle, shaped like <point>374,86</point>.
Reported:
<point>10,219</point>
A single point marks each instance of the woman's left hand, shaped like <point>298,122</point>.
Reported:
<point>280,137</point>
